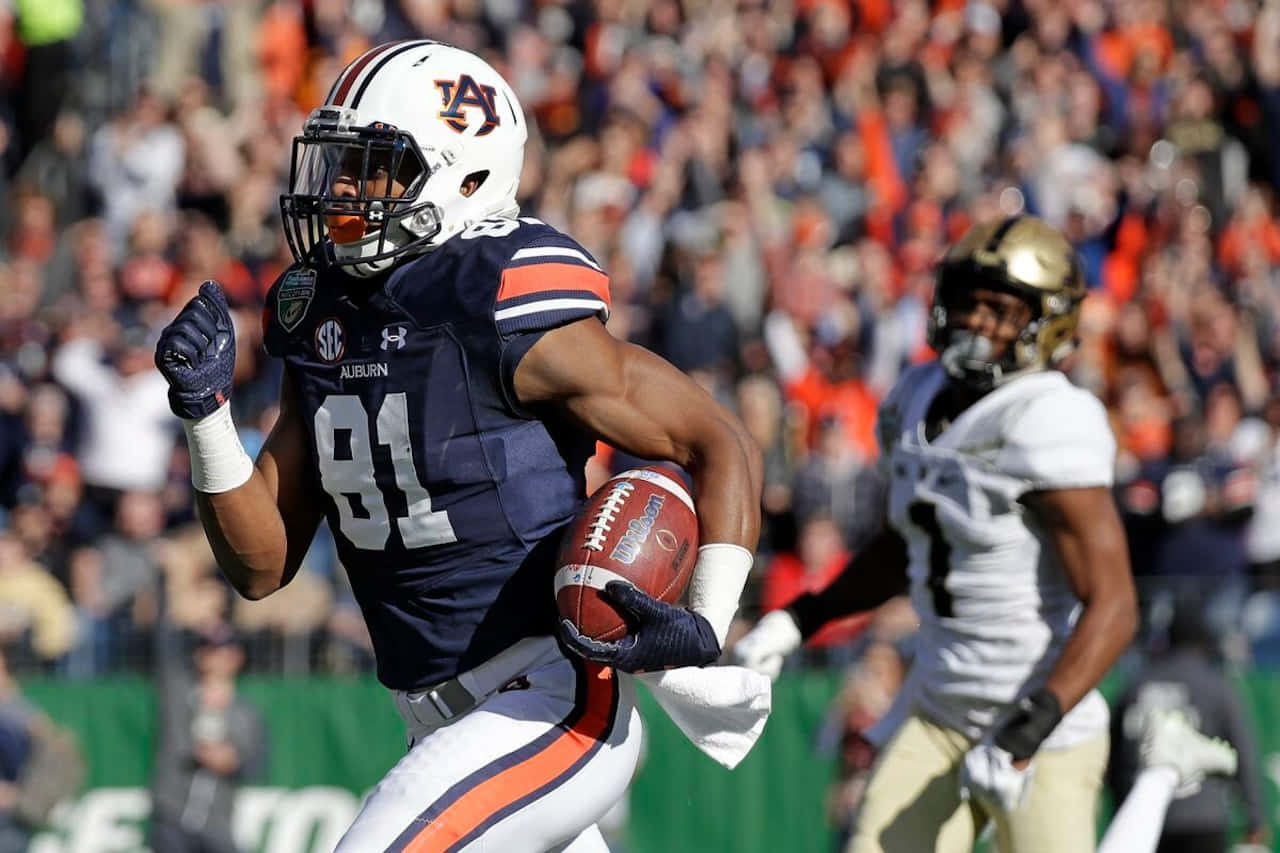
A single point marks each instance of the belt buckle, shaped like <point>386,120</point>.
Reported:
<point>451,699</point>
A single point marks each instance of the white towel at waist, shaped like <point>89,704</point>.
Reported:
<point>721,709</point>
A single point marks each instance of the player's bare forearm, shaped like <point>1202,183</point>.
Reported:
<point>1086,531</point>
<point>1104,631</point>
<point>874,575</point>
<point>727,469</point>
<point>247,542</point>
<point>639,403</point>
<point>260,531</point>
<point>247,535</point>
<point>663,414</point>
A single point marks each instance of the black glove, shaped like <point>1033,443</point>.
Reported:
<point>1033,718</point>
<point>662,636</point>
<point>196,354</point>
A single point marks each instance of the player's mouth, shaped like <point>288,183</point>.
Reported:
<point>346,227</point>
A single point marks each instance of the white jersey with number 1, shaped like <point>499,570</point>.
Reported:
<point>994,602</point>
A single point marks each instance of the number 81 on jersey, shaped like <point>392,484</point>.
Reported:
<point>354,474</point>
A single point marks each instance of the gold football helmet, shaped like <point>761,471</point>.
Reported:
<point>1021,255</point>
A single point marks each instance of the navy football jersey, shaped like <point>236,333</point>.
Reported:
<point>444,494</point>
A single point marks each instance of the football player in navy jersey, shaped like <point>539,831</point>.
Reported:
<point>447,373</point>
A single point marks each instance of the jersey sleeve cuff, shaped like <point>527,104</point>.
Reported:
<point>544,311</point>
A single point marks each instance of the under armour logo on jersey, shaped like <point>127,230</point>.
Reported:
<point>393,335</point>
<point>330,341</point>
<point>466,92</point>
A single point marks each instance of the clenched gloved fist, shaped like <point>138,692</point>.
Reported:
<point>196,354</point>
<point>662,636</point>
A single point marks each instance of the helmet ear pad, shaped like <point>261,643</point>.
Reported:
<point>446,188</point>
<point>473,182</point>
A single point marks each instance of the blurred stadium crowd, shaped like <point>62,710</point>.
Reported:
<point>768,184</point>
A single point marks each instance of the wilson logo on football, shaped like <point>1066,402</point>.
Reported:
<point>628,546</point>
<point>466,92</point>
<point>330,344</point>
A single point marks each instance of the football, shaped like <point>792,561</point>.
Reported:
<point>639,527</point>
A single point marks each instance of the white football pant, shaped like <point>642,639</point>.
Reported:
<point>549,748</point>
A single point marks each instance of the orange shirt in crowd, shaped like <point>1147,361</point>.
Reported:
<point>888,188</point>
<point>282,50</point>
<point>849,400</point>
<point>1122,268</point>
<point>1238,236</point>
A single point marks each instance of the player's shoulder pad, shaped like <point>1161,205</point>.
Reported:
<point>520,274</point>
<point>289,303</point>
<point>547,279</point>
<point>1058,436</point>
<point>897,409</point>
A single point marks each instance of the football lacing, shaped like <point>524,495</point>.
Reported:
<point>600,526</point>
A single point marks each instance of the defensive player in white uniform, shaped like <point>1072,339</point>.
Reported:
<point>1000,515</point>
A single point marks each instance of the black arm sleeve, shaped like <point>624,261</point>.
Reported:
<point>873,576</point>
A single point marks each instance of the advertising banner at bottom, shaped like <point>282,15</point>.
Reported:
<point>330,740</point>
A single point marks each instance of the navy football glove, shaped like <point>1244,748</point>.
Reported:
<point>196,353</point>
<point>662,636</point>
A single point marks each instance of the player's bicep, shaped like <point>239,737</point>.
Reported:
<point>287,473</point>
<point>626,395</point>
<point>1085,529</point>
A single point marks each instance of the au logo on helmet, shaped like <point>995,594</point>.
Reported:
<point>466,92</point>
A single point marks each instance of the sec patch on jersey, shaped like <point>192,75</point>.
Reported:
<point>639,527</point>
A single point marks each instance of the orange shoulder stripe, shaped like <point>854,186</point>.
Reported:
<point>536,278</point>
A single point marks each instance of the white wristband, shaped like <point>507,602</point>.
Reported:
<point>717,582</point>
<point>218,461</point>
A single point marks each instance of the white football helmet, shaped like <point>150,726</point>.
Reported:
<point>376,175</point>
